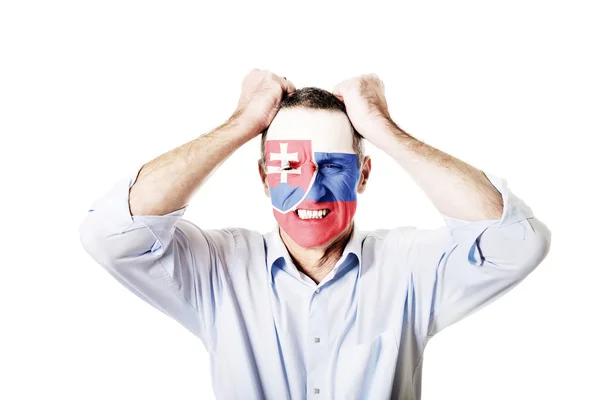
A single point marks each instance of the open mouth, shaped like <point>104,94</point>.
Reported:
<point>312,214</point>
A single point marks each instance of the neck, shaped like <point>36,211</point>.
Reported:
<point>316,262</point>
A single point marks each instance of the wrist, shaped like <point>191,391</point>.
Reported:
<point>379,131</point>
<point>244,126</point>
<point>242,115</point>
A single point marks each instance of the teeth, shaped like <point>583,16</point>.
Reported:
<point>311,214</point>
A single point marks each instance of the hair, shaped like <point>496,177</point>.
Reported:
<point>316,99</point>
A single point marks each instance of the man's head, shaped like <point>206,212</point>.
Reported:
<point>312,166</point>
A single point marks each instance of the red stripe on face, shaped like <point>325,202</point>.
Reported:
<point>317,232</point>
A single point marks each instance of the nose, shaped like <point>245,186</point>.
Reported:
<point>317,191</point>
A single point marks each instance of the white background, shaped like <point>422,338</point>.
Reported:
<point>89,90</point>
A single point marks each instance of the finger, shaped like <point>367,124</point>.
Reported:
<point>338,91</point>
<point>287,85</point>
<point>290,88</point>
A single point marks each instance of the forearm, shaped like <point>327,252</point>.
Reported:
<point>167,183</point>
<point>456,188</point>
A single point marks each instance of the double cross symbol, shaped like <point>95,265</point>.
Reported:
<point>285,159</point>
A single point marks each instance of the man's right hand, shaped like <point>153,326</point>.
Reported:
<point>262,92</point>
<point>155,192</point>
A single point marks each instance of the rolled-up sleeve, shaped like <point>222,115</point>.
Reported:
<point>149,255</point>
<point>466,265</point>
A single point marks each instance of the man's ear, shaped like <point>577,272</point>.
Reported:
<point>263,178</point>
<point>365,171</point>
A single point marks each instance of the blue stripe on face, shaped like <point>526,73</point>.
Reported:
<point>337,177</point>
<point>285,197</point>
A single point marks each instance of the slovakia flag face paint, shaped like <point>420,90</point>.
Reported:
<point>313,189</point>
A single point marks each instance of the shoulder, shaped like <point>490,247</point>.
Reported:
<point>223,240</point>
<point>389,236</point>
<point>405,239</point>
<point>383,244</point>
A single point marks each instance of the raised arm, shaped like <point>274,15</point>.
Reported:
<point>491,240</point>
<point>167,183</point>
<point>136,233</point>
<point>457,189</point>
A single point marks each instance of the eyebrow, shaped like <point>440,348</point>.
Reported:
<point>342,158</point>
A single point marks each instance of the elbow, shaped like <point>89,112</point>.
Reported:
<point>536,245</point>
<point>85,236</point>
<point>113,248</point>
<point>517,248</point>
<point>102,247</point>
<point>92,242</point>
<point>93,237</point>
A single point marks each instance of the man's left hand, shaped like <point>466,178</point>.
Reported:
<point>366,106</point>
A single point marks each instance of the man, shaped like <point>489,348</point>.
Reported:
<point>317,308</point>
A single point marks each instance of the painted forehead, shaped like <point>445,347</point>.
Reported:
<point>328,131</point>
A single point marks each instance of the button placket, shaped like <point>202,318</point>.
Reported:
<point>317,351</point>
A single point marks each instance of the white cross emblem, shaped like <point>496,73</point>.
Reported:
<point>285,159</point>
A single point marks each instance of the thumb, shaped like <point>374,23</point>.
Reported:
<point>337,92</point>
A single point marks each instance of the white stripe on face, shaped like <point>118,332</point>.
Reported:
<point>329,131</point>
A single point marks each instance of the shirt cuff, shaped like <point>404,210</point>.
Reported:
<point>111,215</point>
<point>466,233</point>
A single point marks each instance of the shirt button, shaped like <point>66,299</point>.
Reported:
<point>316,391</point>
<point>317,340</point>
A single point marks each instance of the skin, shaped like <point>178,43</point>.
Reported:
<point>157,192</point>
<point>457,189</point>
<point>314,125</point>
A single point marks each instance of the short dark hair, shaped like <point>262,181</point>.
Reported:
<point>316,99</point>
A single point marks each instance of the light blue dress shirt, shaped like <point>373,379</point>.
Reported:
<point>272,333</point>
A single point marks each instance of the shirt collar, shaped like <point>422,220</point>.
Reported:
<point>275,249</point>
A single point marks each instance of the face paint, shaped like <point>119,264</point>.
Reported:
<point>301,182</point>
<point>305,176</point>
<point>333,180</point>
